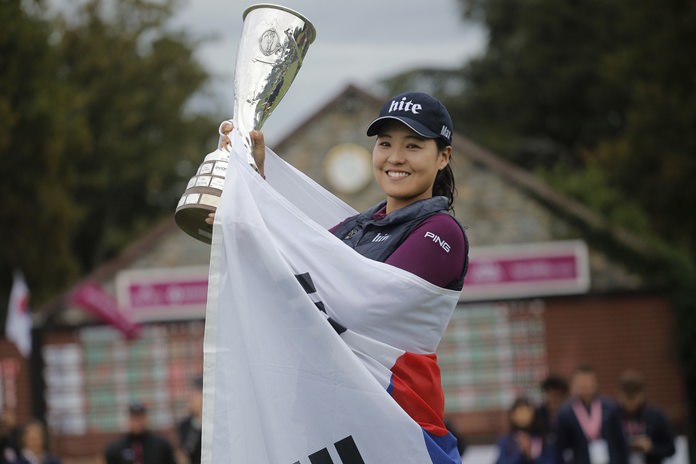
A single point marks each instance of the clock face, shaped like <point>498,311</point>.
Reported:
<point>348,168</point>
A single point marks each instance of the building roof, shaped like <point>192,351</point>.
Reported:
<point>510,174</point>
<point>513,174</point>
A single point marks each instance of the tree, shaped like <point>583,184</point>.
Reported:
<point>97,141</point>
<point>132,80</point>
<point>578,88</point>
<point>39,212</point>
<point>652,158</point>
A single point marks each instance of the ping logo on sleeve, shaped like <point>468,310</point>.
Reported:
<point>436,238</point>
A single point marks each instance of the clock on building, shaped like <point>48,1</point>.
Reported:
<point>348,168</point>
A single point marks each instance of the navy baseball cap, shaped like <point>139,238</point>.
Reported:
<point>421,112</point>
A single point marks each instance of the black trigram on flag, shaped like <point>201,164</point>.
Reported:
<point>346,449</point>
<point>308,285</point>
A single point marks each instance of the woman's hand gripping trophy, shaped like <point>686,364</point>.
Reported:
<point>258,151</point>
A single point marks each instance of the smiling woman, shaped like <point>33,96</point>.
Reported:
<point>411,229</point>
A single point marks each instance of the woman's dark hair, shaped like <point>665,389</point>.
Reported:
<point>534,427</point>
<point>555,383</point>
<point>444,181</point>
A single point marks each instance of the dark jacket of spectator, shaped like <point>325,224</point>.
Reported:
<point>651,422</point>
<point>572,445</point>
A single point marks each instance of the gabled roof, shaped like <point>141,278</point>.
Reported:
<point>513,174</point>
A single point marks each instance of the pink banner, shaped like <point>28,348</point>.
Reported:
<point>537,269</point>
<point>166,294</point>
<point>96,301</point>
<point>495,272</point>
<point>527,270</point>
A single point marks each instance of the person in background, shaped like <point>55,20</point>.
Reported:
<point>647,430</point>
<point>34,448</point>
<point>524,443</point>
<point>556,392</point>
<point>139,445</point>
<point>9,436</point>
<point>191,428</point>
<point>461,440</point>
<point>589,429</point>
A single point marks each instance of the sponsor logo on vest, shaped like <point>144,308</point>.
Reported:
<point>403,105</point>
<point>445,132</point>
<point>436,238</point>
<point>380,237</point>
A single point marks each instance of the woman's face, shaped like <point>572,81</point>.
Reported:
<point>405,164</point>
<point>522,416</point>
<point>34,438</point>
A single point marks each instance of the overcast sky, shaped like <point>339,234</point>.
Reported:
<point>360,42</point>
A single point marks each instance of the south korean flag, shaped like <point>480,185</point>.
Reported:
<point>306,341</point>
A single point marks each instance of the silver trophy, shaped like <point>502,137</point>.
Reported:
<point>273,44</point>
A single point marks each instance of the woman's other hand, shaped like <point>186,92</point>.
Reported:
<point>258,150</point>
<point>258,145</point>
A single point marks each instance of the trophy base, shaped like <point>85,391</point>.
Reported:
<point>202,196</point>
<point>191,219</point>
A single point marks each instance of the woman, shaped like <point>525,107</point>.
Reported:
<point>411,229</point>
<point>411,163</point>
<point>34,449</point>
<point>524,443</point>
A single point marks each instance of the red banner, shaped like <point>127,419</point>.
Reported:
<point>96,301</point>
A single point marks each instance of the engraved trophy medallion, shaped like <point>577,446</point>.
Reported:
<point>273,44</point>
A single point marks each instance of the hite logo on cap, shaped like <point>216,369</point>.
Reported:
<point>422,113</point>
<point>403,105</point>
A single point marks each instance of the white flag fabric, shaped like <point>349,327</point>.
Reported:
<point>308,343</point>
<point>18,323</point>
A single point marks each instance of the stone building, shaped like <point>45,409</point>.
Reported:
<point>543,295</point>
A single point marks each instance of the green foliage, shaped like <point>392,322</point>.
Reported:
<point>39,213</point>
<point>96,140</point>
<point>600,88</point>
<point>132,80</point>
<point>592,85</point>
<point>594,186</point>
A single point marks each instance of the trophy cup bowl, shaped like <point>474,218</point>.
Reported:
<point>272,46</point>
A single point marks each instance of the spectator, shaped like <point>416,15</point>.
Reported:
<point>524,442</point>
<point>589,428</point>
<point>9,437</point>
<point>139,445</point>
<point>461,440</point>
<point>556,391</point>
<point>190,429</point>
<point>35,445</point>
<point>648,433</point>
